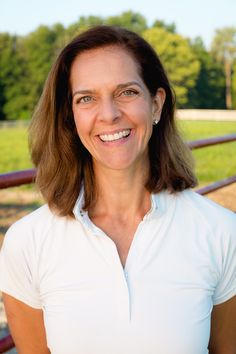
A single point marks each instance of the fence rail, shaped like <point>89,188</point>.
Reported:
<point>6,344</point>
<point>211,141</point>
<point>14,179</point>
<point>18,178</point>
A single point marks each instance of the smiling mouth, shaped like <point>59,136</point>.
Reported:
<point>117,136</point>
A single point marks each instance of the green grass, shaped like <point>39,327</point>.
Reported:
<point>212,163</point>
<point>193,130</point>
<point>14,153</point>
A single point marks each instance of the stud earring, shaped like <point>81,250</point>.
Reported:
<point>155,122</point>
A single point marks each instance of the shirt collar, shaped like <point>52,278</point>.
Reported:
<point>78,208</point>
<point>157,206</point>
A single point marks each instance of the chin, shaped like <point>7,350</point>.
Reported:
<point>122,162</point>
<point>123,165</point>
<point>118,167</point>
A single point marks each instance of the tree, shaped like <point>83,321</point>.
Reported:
<point>234,86</point>
<point>24,65</point>
<point>131,20</point>
<point>12,78</point>
<point>224,50</point>
<point>40,48</point>
<point>209,90</point>
<point>83,23</point>
<point>61,37</point>
<point>161,24</point>
<point>178,58</point>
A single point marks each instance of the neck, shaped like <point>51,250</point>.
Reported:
<point>122,193</point>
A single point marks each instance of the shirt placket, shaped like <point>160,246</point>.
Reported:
<point>121,291</point>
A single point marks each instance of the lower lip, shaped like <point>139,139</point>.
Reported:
<point>118,141</point>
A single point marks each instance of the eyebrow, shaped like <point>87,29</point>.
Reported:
<point>118,87</point>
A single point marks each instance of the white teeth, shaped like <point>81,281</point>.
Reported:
<point>116,136</point>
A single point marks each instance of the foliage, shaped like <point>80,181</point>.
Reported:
<point>12,78</point>
<point>224,44</point>
<point>39,49</point>
<point>168,27</point>
<point>197,75</point>
<point>224,50</point>
<point>83,24</point>
<point>234,87</point>
<point>128,19</point>
<point>131,20</point>
<point>178,58</point>
<point>209,89</point>
<point>25,63</point>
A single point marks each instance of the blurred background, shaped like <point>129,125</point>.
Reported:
<point>195,40</point>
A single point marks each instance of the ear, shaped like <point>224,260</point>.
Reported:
<point>158,102</point>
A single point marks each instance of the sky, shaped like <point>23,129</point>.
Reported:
<point>192,18</point>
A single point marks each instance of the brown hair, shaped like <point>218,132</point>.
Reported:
<point>63,163</point>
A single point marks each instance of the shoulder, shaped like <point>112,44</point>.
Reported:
<point>20,255</point>
<point>32,228</point>
<point>39,217</point>
<point>209,212</point>
<point>190,206</point>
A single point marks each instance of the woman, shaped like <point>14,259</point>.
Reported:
<point>124,258</point>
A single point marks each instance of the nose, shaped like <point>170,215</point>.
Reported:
<point>108,110</point>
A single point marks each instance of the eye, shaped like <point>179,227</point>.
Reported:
<point>84,99</point>
<point>129,93</point>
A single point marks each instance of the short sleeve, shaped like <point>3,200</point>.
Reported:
<point>17,266</point>
<point>226,287</point>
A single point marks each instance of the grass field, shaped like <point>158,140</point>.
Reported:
<point>212,163</point>
<point>215,162</point>
<point>14,153</point>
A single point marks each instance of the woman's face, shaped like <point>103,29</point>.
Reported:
<point>113,109</point>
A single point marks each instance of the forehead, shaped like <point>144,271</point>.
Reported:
<point>109,61</point>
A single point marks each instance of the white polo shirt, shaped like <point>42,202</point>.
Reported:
<point>181,262</point>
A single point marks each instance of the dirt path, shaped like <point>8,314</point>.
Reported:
<point>225,196</point>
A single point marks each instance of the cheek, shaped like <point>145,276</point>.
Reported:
<point>83,130</point>
<point>82,124</point>
<point>143,117</point>
<point>143,111</point>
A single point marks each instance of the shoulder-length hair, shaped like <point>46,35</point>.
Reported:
<point>63,163</point>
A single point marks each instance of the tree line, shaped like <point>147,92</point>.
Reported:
<point>201,78</point>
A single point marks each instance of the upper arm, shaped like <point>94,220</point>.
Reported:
<point>223,328</point>
<point>26,326</point>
